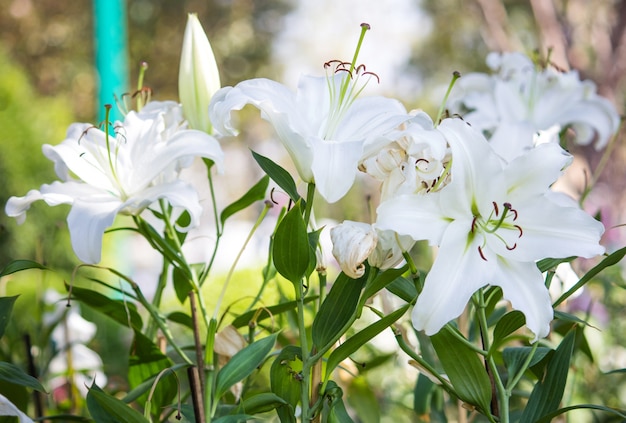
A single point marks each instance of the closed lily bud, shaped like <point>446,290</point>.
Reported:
<point>198,77</point>
<point>353,242</point>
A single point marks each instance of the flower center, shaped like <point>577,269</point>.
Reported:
<point>500,224</point>
<point>342,95</point>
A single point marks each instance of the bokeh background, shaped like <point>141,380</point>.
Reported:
<point>48,79</point>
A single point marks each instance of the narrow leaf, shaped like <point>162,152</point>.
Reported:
<point>266,312</point>
<point>243,364</point>
<point>261,403</point>
<point>359,339</point>
<point>549,417</point>
<point>514,358</point>
<point>19,265</point>
<point>6,308</point>
<point>123,312</point>
<point>506,325</point>
<point>403,288</point>
<point>291,246</point>
<point>284,382</point>
<point>338,307</point>
<point>465,370</point>
<point>105,408</point>
<point>256,193</point>
<point>547,394</point>
<point>610,260</point>
<point>382,280</point>
<point>279,175</point>
<point>13,374</point>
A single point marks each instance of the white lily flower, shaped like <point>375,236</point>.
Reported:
<point>124,173</point>
<point>7,408</point>
<point>353,242</point>
<point>492,222</point>
<point>198,76</point>
<point>519,101</point>
<point>323,126</point>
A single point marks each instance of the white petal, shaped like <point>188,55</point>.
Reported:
<point>546,161</point>
<point>512,139</point>
<point>419,216</point>
<point>457,273</point>
<point>550,230</point>
<point>335,165</point>
<point>522,284</point>
<point>87,221</point>
<point>7,408</point>
<point>353,242</point>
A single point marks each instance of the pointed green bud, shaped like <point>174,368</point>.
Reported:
<point>198,77</point>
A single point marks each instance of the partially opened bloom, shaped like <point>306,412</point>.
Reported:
<point>492,222</point>
<point>323,126</point>
<point>353,242</point>
<point>198,77</point>
<point>520,100</point>
<point>103,174</point>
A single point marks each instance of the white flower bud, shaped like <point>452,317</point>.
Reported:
<point>353,242</point>
<point>198,77</point>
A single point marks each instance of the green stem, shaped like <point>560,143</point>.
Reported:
<point>310,195</point>
<point>218,227</point>
<point>307,363</point>
<point>158,295</point>
<point>455,75</point>
<point>515,379</point>
<point>501,391</point>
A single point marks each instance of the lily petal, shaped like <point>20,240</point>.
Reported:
<point>452,280</point>
<point>522,284</point>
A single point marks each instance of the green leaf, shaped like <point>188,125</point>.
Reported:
<point>242,364</point>
<point>284,381</point>
<point>422,395</point>
<point>547,394</point>
<point>6,308</point>
<point>337,309</point>
<point>183,221</point>
<point>105,408</point>
<point>610,260</point>
<point>234,418</point>
<point>13,374</point>
<point>291,246</point>
<point>550,263</point>
<point>146,385</point>
<point>507,324</point>
<point>382,280</point>
<point>145,363</point>
<point>403,288</point>
<point>121,311</point>
<point>266,312</point>
<point>359,339</point>
<point>256,193</point>
<point>314,238</point>
<point>279,175</point>
<point>182,286</point>
<point>465,370</point>
<point>514,358</point>
<point>19,265</point>
<point>549,417</point>
<point>334,410</point>
<point>261,403</point>
<point>180,318</point>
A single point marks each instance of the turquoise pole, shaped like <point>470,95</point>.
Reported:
<point>111,53</point>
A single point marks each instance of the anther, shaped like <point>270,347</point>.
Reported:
<point>480,251</point>
<point>511,248</point>
<point>519,228</point>
<point>495,207</point>
<point>474,223</point>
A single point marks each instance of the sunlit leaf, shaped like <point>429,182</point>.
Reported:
<point>506,325</point>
